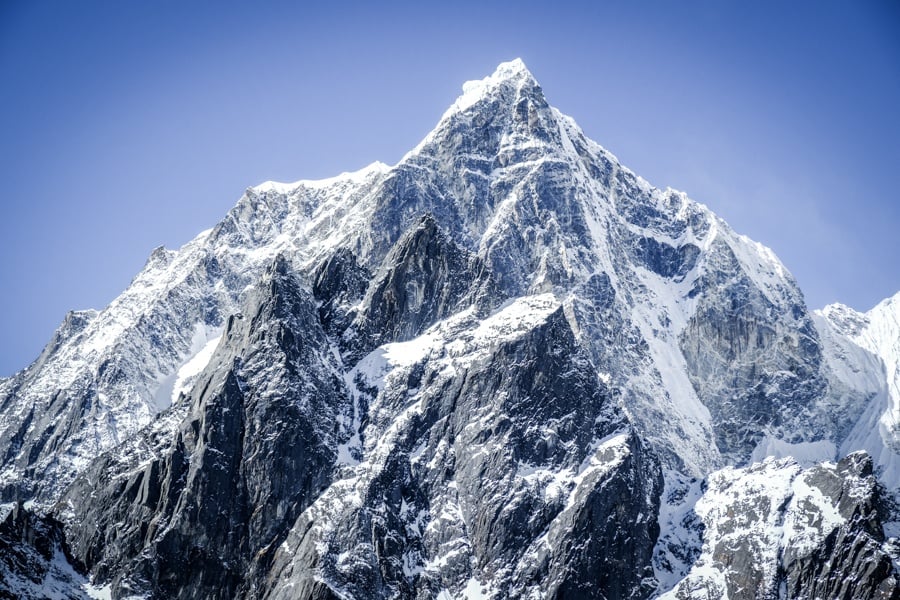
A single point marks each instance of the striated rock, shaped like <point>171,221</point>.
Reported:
<point>424,278</point>
<point>492,454</point>
<point>754,358</point>
<point>338,284</point>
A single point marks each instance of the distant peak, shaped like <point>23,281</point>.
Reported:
<point>847,320</point>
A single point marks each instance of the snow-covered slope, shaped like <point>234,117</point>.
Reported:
<point>492,347</point>
<point>863,351</point>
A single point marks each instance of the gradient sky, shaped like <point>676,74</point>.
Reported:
<point>127,125</point>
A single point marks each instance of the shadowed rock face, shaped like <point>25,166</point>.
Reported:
<point>338,284</point>
<point>253,449</point>
<point>513,470</point>
<point>424,278</point>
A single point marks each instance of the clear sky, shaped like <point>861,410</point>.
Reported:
<point>128,125</point>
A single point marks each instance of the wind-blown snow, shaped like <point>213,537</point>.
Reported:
<point>476,90</point>
<point>351,177</point>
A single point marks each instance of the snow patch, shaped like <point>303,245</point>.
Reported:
<point>203,345</point>
<point>476,591</point>
<point>100,593</point>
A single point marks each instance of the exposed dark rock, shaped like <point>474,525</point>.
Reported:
<point>338,283</point>
<point>470,472</point>
<point>35,563</point>
<point>663,259</point>
<point>425,277</point>
<point>253,451</point>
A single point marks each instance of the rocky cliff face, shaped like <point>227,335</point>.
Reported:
<point>223,483</point>
<point>505,367</point>
<point>506,447</point>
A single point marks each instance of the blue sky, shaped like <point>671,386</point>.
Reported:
<point>127,125</point>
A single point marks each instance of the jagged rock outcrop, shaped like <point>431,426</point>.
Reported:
<point>425,277</point>
<point>253,450</point>
<point>508,450</point>
<point>774,530</point>
<point>338,284</point>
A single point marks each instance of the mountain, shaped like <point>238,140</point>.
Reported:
<point>506,367</point>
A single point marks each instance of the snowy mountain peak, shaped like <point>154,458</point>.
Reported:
<point>513,69</point>
<point>510,71</point>
<point>481,354</point>
<point>511,76</point>
<point>877,328</point>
